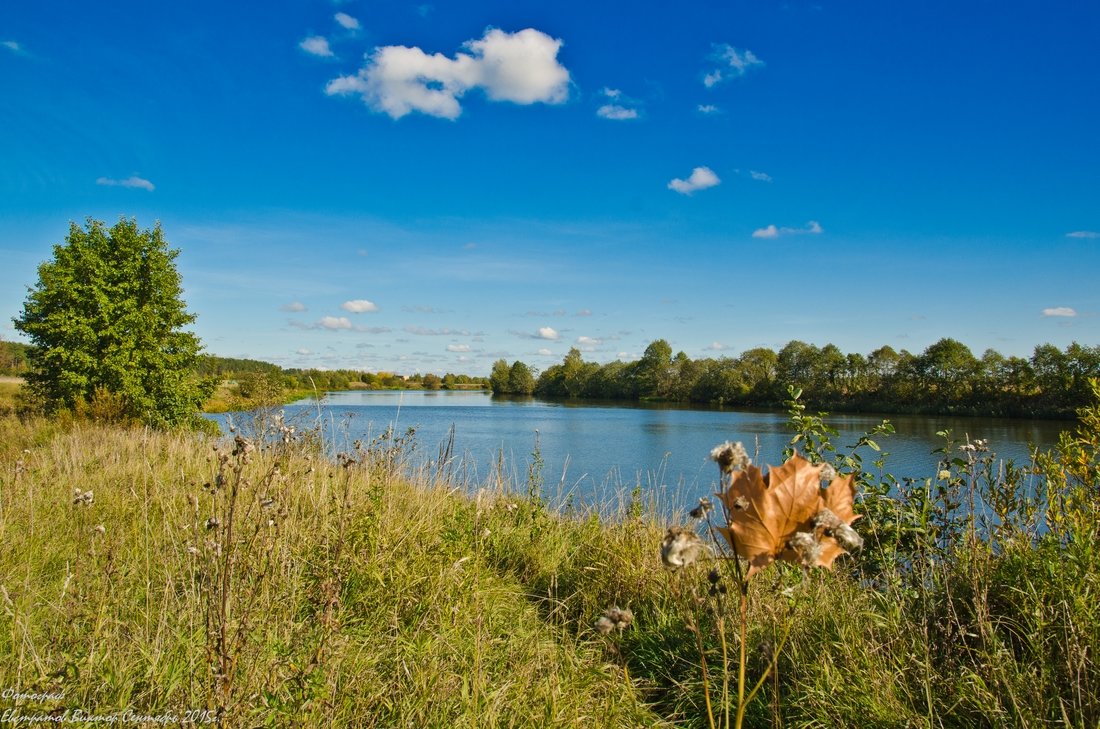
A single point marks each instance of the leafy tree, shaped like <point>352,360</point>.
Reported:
<point>654,373</point>
<point>521,381</point>
<point>498,378</point>
<point>106,322</point>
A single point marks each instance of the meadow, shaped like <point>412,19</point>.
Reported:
<point>258,581</point>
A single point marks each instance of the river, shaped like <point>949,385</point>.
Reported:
<point>596,454</point>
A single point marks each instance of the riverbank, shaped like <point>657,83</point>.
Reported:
<point>279,587</point>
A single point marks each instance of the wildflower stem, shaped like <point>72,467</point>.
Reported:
<point>741,659</point>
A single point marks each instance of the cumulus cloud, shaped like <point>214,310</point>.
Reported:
<point>334,322</point>
<point>701,178</point>
<point>760,176</point>
<point>812,228</point>
<point>519,67</point>
<point>133,181</point>
<point>547,333</point>
<point>458,347</point>
<point>1083,234</point>
<point>1060,311</point>
<point>544,352</point>
<point>346,21</point>
<point>618,108</point>
<point>293,306</point>
<point>708,109</point>
<point>359,306</point>
<point>316,45</point>
<point>303,351</point>
<point>716,347</point>
<point>12,46</point>
<point>732,63</point>
<point>589,342</point>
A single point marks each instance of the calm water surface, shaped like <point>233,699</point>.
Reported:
<point>594,454</point>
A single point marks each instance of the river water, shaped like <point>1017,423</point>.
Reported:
<point>596,454</point>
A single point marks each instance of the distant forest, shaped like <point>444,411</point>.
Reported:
<point>255,373</point>
<point>945,378</point>
<point>13,358</point>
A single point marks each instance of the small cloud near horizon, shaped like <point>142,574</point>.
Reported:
<point>1060,311</point>
<point>701,178</point>
<point>13,46</point>
<point>708,109</point>
<point>359,306</point>
<point>760,176</point>
<point>293,306</point>
<point>812,228</point>
<point>547,333</point>
<point>1088,234</point>
<point>134,182</point>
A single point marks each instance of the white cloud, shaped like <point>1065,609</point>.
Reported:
<point>701,178</point>
<point>133,181</point>
<point>347,21</point>
<point>621,109</point>
<point>545,352</point>
<point>588,342</point>
<point>334,322</point>
<point>734,63</point>
<point>12,46</point>
<point>316,45</point>
<point>547,333</point>
<point>358,306</point>
<point>293,306</point>
<point>760,176</point>
<point>616,112</point>
<point>708,109</point>
<point>716,347</point>
<point>458,347</point>
<point>518,67</point>
<point>584,312</point>
<point>1083,234</point>
<point>302,351</point>
<point>812,228</point>
<point>1060,311</point>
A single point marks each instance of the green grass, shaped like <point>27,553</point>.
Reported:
<point>354,592</point>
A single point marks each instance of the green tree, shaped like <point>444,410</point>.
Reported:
<point>521,381</point>
<point>498,378</point>
<point>655,370</point>
<point>106,321</point>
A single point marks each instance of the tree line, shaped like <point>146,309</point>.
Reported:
<point>945,378</point>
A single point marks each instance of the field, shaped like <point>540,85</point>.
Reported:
<point>258,582</point>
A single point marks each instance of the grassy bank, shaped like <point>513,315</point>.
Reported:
<point>273,586</point>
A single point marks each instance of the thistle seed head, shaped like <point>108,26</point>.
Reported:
<point>806,546</point>
<point>680,547</point>
<point>731,457</point>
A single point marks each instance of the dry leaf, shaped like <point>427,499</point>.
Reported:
<point>767,511</point>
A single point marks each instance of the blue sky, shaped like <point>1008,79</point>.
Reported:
<point>433,186</point>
